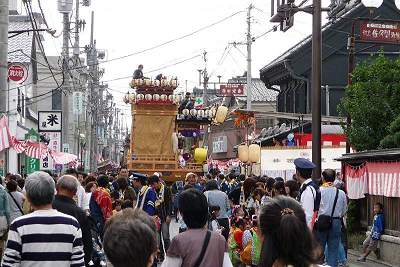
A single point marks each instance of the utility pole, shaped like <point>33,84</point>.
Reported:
<point>4,21</point>
<point>248,43</point>
<point>316,88</point>
<point>65,88</point>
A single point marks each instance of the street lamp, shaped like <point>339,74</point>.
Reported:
<point>372,3</point>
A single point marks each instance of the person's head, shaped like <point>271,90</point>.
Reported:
<point>12,186</point>
<point>282,223</point>
<point>239,223</point>
<point>40,188</point>
<point>304,169</point>
<point>211,185</point>
<point>194,208</point>
<point>221,176</point>
<point>279,179</point>
<point>90,178</point>
<point>231,176</point>
<point>208,177</point>
<point>238,211</point>
<point>140,67</point>
<point>214,211</point>
<point>122,183</point>
<point>329,175</point>
<point>81,177</point>
<point>241,177</point>
<point>67,185</point>
<point>154,181</point>
<point>258,193</point>
<point>72,172</point>
<point>269,185</point>
<point>117,205</point>
<point>103,181</point>
<point>191,178</point>
<point>248,186</point>
<point>292,188</point>
<point>279,189</point>
<point>127,204</point>
<point>378,207</point>
<point>21,182</point>
<point>124,173</point>
<point>90,187</point>
<point>130,239</point>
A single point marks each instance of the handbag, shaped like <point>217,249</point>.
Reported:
<point>324,222</point>
<point>16,203</point>
<point>203,249</point>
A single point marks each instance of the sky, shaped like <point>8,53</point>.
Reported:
<point>122,27</point>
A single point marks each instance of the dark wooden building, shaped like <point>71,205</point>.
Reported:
<point>291,72</point>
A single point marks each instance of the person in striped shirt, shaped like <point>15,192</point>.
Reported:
<point>45,237</point>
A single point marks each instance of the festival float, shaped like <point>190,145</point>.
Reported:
<point>167,130</point>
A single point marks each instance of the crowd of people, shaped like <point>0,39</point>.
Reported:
<point>80,219</point>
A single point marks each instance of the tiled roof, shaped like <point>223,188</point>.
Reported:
<point>259,92</point>
<point>22,42</point>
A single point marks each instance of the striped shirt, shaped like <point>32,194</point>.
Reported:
<point>44,238</point>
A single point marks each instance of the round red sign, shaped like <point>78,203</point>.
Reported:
<point>17,73</point>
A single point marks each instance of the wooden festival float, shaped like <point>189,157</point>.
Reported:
<point>166,136</point>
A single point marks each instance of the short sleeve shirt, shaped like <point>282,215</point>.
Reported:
<point>187,246</point>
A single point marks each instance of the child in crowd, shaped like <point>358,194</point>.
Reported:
<point>213,224</point>
<point>371,242</point>
<point>117,206</point>
<point>235,240</point>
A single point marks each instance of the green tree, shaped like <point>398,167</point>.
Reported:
<point>372,101</point>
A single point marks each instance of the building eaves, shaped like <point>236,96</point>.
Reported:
<point>20,46</point>
<point>353,6</point>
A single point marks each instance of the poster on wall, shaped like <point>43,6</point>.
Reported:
<point>47,163</point>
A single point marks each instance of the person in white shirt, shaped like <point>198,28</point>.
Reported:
<point>80,197</point>
<point>309,195</point>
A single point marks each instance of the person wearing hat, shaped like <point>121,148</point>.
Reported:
<point>309,194</point>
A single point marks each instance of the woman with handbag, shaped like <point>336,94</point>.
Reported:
<point>15,199</point>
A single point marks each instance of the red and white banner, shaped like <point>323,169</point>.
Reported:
<point>5,136</point>
<point>384,178</point>
<point>374,178</point>
<point>36,150</point>
<point>63,158</point>
<point>356,181</point>
<point>19,146</point>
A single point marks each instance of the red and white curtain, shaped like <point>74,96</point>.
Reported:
<point>374,178</point>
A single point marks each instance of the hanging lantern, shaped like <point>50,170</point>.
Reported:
<point>243,153</point>
<point>173,83</point>
<point>163,97</point>
<point>132,98</point>
<point>156,97</point>
<point>148,97</point>
<point>132,84</point>
<point>193,112</point>
<point>397,2</point>
<point>213,112</point>
<point>185,112</point>
<point>156,83</point>
<point>171,98</point>
<point>178,99</point>
<point>200,113</point>
<point>372,3</point>
<point>200,155</point>
<point>222,111</point>
<point>140,97</point>
<point>254,153</point>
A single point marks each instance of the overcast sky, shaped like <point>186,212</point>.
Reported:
<point>124,26</point>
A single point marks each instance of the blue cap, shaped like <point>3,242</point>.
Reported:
<point>303,163</point>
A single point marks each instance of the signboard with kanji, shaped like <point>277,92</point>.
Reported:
<point>32,164</point>
<point>50,121</point>
<point>220,144</point>
<point>47,163</point>
<point>77,102</point>
<point>231,89</point>
<point>17,72</point>
<point>380,32</point>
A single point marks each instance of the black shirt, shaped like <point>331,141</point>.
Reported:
<point>68,206</point>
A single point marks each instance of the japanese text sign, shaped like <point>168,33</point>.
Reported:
<point>380,32</point>
<point>50,121</point>
<point>231,89</point>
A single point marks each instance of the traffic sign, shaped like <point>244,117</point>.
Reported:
<point>17,72</point>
